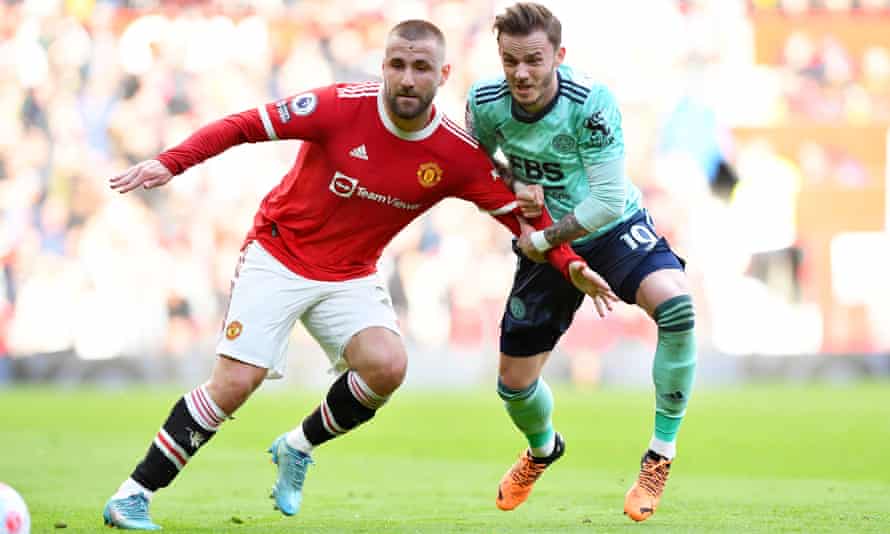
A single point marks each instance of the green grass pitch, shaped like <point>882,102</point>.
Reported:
<point>755,459</point>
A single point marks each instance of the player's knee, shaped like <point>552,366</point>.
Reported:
<point>230,390</point>
<point>517,374</point>
<point>387,371</point>
<point>515,381</point>
<point>510,393</point>
<point>393,371</point>
<point>675,318</point>
<point>378,356</point>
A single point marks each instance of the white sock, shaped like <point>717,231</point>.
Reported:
<point>546,449</point>
<point>664,448</point>
<point>296,439</point>
<point>131,487</point>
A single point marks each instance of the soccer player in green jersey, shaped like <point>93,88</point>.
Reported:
<point>561,135</point>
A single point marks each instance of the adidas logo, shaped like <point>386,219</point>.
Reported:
<point>359,152</point>
<point>676,396</point>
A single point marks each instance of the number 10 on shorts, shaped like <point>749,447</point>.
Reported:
<point>641,235</point>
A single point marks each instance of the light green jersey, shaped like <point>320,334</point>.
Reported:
<point>563,147</point>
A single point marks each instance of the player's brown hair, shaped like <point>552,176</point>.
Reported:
<point>416,29</point>
<point>524,18</point>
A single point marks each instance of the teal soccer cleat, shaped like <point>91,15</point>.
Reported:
<point>130,513</point>
<point>292,465</point>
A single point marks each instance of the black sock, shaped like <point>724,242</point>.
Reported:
<point>349,403</point>
<point>194,419</point>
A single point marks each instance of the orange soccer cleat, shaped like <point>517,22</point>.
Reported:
<point>517,483</point>
<point>642,498</point>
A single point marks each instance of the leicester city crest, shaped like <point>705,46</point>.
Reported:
<point>517,308</point>
<point>563,143</point>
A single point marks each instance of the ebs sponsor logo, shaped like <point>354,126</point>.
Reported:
<point>535,170</point>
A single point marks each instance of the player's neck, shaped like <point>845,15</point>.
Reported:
<point>412,125</point>
<point>544,101</point>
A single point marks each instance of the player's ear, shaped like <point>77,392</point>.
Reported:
<point>560,55</point>
<point>445,72</point>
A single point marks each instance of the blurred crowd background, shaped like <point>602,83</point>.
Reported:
<point>758,132</point>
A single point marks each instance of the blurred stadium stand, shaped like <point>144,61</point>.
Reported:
<point>757,130</point>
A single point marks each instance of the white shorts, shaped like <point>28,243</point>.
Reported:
<point>267,298</point>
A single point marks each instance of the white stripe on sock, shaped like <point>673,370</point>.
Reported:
<point>191,403</point>
<point>203,410</point>
<point>327,419</point>
<point>217,411</point>
<point>169,448</point>
<point>664,448</point>
<point>363,392</point>
<point>544,450</point>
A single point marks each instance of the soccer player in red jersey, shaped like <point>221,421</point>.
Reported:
<point>374,157</point>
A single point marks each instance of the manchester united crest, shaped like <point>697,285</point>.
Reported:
<point>233,330</point>
<point>429,174</point>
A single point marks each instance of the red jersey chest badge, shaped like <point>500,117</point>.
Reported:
<point>429,174</point>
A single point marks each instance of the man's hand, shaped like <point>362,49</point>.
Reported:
<point>525,243</point>
<point>530,198</point>
<point>529,251</point>
<point>595,286</point>
<point>148,174</point>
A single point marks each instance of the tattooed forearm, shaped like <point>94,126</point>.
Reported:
<point>566,230</point>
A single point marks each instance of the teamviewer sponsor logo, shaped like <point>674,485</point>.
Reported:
<point>342,185</point>
<point>346,187</point>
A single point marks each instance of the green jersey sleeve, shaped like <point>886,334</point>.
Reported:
<point>601,149</point>
<point>480,127</point>
<point>601,135</point>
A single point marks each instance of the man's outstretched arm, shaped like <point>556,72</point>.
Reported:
<point>206,142</point>
<point>268,122</point>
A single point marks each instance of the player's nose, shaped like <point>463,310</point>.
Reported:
<point>408,79</point>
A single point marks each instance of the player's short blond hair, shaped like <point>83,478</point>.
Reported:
<point>416,29</point>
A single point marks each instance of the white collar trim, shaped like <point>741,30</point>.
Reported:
<point>419,135</point>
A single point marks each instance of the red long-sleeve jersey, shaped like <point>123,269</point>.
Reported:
<point>357,180</point>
